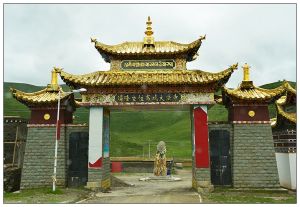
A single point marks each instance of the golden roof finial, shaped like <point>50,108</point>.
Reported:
<point>149,39</point>
<point>54,82</point>
<point>246,68</point>
<point>149,31</point>
<point>54,77</point>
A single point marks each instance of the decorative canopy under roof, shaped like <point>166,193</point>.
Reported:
<point>150,77</point>
<point>48,95</point>
<point>149,47</point>
<point>247,92</point>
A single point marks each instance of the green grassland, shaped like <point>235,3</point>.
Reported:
<point>132,130</point>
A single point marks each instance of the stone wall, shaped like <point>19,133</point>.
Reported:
<point>14,127</point>
<point>254,163</point>
<point>39,155</point>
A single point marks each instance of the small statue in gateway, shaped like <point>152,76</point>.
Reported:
<point>160,161</point>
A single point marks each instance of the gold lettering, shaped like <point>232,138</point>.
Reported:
<point>155,98</point>
<point>168,97</point>
<point>161,98</point>
<point>133,98</point>
<point>141,98</point>
<point>126,98</point>
<point>175,97</point>
<point>148,97</point>
<point>121,98</point>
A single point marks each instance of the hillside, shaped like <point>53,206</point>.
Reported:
<point>131,131</point>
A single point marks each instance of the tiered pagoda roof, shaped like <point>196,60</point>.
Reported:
<point>247,92</point>
<point>46,96</point>
<point>281,103</point>
<point>148,77</point>
<point>149,47</point>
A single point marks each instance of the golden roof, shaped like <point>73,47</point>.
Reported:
<point>149,77</point>
<point>248,92</point>
<point>282,114</point>
<point>44,96</point>
<point>290,89</point>
<point>47,95</point>
<point>160,48</point>
<point>281,102</point>
<point>287,115</point>
<point>149,47</point>
<point>253,93</point>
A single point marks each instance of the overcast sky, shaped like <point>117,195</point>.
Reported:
<point>38,37</point>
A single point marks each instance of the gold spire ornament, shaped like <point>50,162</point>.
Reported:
<point>246,68</point>
<point>54,81</point>
<point>54,77</point>
<point>149,39</point>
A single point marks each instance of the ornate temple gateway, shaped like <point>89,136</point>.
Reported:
<point>150,74</point>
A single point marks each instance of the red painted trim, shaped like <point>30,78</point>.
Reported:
<point>58,129</point>
<point>96,164</point>
<point>201,138</point>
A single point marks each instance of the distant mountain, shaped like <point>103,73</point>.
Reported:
<point>277,84</point>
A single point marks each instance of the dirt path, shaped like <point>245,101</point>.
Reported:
<point>150,191</point>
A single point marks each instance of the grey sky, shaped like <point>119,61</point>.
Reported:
<point>38,37</point>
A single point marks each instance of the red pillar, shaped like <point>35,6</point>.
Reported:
<point>201,138</point>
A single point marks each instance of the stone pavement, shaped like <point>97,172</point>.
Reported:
<point>149,191</point>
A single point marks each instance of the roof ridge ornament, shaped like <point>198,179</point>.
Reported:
<point>246,68</point>
<point>94,40</point>
<point>53,86</point>
<point>149,39</point>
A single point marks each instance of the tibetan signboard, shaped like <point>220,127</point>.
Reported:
<point>147,99</point>
<point>147,64</point>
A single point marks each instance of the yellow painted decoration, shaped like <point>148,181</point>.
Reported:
<point>246,68</point>
<point>46,116</point>
<point>251,113</point>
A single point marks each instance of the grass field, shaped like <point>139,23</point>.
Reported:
<point>131,131</point>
